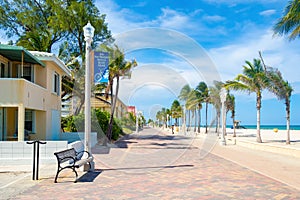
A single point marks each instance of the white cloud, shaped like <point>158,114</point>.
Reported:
<point>172,19</point>
<point>268,12</point>
<point>118,19</point>
<point>277,52</point>
<point>151,81</point>
<point>214,18</point>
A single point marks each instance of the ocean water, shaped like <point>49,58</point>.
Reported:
<point>270,127</point>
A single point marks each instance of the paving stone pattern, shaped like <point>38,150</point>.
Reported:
<point>152,165</point>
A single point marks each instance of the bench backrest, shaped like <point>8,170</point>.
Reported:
<point>65,155</point>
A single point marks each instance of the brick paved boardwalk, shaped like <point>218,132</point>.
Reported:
<point>153,165</point>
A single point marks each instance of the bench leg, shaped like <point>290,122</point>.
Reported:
<point>56,176</point>
<point>90,166</point>
<point>76,175</point>
<point>58,171</point>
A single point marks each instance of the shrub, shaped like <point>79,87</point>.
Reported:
<point>99,124</point>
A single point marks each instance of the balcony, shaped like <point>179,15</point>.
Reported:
<point>15,91</point>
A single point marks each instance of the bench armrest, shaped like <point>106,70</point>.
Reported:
<point>67,158</point>
<point>82,153</point>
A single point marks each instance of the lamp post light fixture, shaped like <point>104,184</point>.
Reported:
<point>88,38</point>
<point>223,95</point>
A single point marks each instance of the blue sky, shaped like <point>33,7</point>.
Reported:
<point>185,42</point>
<point>228,31</point>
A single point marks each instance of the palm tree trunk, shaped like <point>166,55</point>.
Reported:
<point>199,120</point>
<point>184,116</point>
<point>258,106</point>
<point>195,127</point>
<point>234,133</point>
<point>206,108</point>
<point>78,109</point>
<point>113,107</point>
<point>189,127</point>
<point>218,121</point>
<point>288,121</point>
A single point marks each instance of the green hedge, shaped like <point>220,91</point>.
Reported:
<point>99,124</point>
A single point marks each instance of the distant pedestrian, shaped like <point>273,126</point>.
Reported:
<point>172,129</point>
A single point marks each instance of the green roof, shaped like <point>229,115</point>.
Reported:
<point>14,53</point>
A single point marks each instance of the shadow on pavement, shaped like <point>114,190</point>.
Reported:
<point>153,167</point>
<point>127,139</point>
<point>90,176</point>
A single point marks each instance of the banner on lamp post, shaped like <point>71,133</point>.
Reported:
<point>101,71</point>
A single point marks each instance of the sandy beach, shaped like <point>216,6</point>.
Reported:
<point>272,141</point>
<point>267,136</point>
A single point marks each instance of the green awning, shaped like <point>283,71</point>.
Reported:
<point>14,53</point>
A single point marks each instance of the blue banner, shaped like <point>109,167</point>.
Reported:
<point>101,72</point>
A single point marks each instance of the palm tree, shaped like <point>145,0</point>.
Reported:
<point>283,90</point>
<point>183,96</point>
<point>199,102</point>
<point>253,79</point>
<point>230,106</point>
<point>118,67</point>
<point>159,117</point>
<point>168,112</point>
<point>199,106</point>
<point>204,97</point>
<point>215,100</point>
<point>36,41</point>
<point>176,111</point>
<point>192,104</point>
<point>290,22</point>
<point>164,117</point>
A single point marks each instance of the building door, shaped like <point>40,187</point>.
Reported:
<point>5,70</point>
<point>55,124</point>
<point>2,124</point>
<point>2,70</point>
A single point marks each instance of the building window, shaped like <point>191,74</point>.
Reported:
<point>2,69</point>
<point>56,83</point>
<point>29,120</point>
<point>27,73</point>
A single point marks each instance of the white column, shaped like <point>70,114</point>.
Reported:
<point>21,122</point>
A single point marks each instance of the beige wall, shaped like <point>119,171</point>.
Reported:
<point>41,76</point>
<point>21,91</point>
<point>38,96</point>
<point>41,121</point>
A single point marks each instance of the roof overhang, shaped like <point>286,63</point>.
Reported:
<point>14,53</point>
<point>44,56</point>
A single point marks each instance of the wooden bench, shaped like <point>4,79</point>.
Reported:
<point>70,159</point>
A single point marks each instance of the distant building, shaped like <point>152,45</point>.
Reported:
<point>30,87</point>
<point>66,107</point>
<point>131,109</point>
<point>104,105</point>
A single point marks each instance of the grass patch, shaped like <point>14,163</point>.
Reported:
<point>127,130</point>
